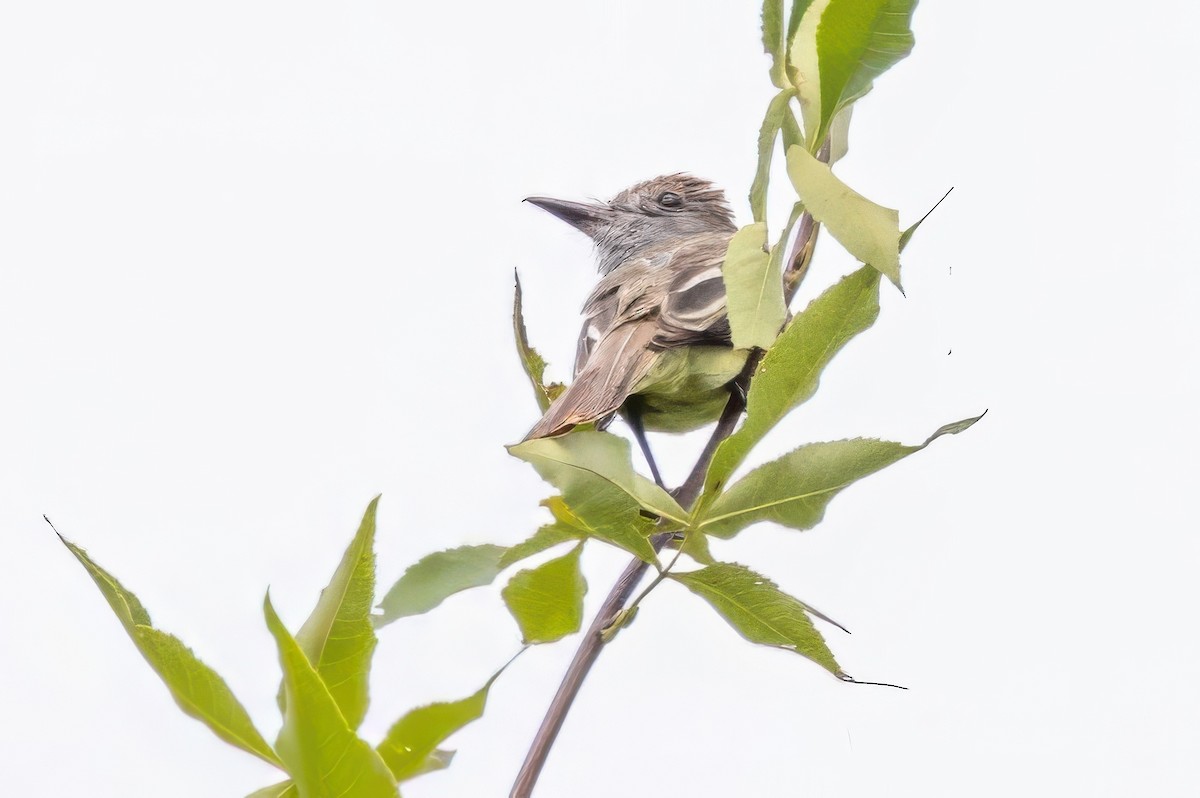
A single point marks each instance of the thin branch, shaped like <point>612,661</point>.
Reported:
<point>806,241</point>
<point>687,494</point>
<point>593,641</point>
<point>656,581</point>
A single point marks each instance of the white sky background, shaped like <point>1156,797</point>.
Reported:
<point>257,267</point>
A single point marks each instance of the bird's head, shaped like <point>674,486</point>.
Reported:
<point>646,216</point>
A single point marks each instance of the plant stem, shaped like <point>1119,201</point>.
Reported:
<point>659,577</point>
<point>687,494</point>
<point>589,648</point>
<point>806,240</point>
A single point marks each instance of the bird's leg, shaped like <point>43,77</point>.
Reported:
<point>633,416</point>
<point>738,395</point>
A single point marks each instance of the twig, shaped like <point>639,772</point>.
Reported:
<point>656,581</point>
<point>593,642</point>
<point>806,240</point>
<point>687,494</point>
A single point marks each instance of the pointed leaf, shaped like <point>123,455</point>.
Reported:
<point>338,638</point>
<point>795,489</point>
<point>803,68</point>
<point>547,601</point>
<point>411,745</point>
<point>322,753</point>
<point>772,122</point>
<point>436,577</point>
<point>198,690</point>
<point>753,289</point>
<point>839,48</point>
<point>533,363</point>
<point>586,463</point>
<point>859,40</point>
<point>790,372</point>
<point>868,231</point>
<point>594,472</point>
<point>759,611</point>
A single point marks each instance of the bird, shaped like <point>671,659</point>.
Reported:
<point>655,344</point>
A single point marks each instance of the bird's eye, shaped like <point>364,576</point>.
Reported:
<point>669,199</point>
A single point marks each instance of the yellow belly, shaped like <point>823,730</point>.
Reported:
<point>685,388</point>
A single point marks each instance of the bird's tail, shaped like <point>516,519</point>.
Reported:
<point>621,358</point>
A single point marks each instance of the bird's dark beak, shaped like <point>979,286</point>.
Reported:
<point>586,217</point>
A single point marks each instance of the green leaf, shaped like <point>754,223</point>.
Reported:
<point>803,68</point>
<point>436,577</point>
<point>858,41</point>
<point>594,472</point>
<point>774,44</point>
<point>198,690</point>
<point>759,611</point>
<point>440,575</point>
<point>547,601</point>
<point>284,789</point>
<point>410,748</point>
<point>772,122</point>
<point>322,753</point>
<point>868,231</point>
<point>586,462</point>
<point>533,363</point>
<point>338,638</point>
<point>839,48</point>
<point>795,489</point>
<point>790,372</point>
<point>753,289</point>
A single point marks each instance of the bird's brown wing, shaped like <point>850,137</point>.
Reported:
<point>598,316</point>
<point>681,286</point>
<point>672,298</point>
<point>693,311</point>
<point>614,366</point>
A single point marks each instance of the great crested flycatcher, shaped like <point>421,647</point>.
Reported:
<point>655,343</point>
